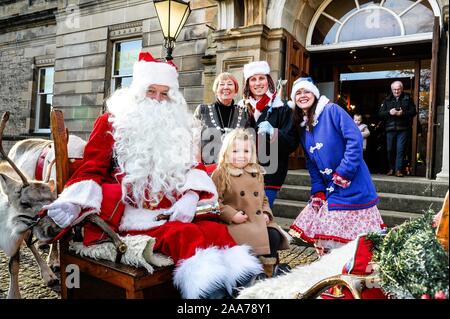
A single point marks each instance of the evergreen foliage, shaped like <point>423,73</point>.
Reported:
<point>411,262</point>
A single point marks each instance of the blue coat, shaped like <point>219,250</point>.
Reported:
<point>335,145</point>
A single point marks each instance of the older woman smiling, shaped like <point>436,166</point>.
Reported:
<point>221,117</point>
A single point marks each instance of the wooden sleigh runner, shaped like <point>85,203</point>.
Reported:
<point>101,278</point>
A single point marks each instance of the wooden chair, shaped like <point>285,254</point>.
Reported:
<point>101,279</point>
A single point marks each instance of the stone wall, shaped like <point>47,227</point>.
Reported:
<point>239,46</point>
<point>78,38</point>
<point>84,53</point>
<point>27,33</point>
<point>189,49</point>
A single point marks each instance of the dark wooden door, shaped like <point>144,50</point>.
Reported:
<point>433,90</point>
<point>297,64</point>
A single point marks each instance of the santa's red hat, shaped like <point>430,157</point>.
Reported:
<point>147,71</point>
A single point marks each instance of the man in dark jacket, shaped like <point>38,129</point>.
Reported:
<point>397,110</point>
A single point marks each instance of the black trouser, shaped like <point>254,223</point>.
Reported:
<point>396,146</point>
<point>274,241</point>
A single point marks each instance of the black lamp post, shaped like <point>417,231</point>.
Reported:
<point>172,15</point>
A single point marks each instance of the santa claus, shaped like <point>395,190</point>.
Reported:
<point>139,164</point>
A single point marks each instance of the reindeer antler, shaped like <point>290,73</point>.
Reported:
<point>5,119</point>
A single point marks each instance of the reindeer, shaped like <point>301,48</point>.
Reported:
<point>20,202</point>
<point>35,157</point>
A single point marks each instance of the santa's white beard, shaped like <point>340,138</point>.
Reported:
<point>153,145</point>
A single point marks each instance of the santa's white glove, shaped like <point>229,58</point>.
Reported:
<point>184,209</point>
<point>265,127</point>
<point>63,214</point>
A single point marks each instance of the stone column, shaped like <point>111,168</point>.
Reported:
<point>226,16</point>
<point>239,46</point>
<point>255,12</point>
<point>444,174</point>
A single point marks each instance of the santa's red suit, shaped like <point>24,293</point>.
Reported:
<point>205,255</point>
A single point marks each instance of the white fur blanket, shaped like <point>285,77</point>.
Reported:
<point>301,278</point>
<point>139,252</point>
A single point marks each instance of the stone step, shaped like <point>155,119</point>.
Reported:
<point>410,185</point>
<point>388,201</point>
<point>287,210</point>
<point>284,222</point>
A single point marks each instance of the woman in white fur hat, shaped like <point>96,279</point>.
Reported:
<point>343,197</point>
<point>273,122</point>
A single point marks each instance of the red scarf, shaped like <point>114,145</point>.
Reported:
<point>262,103</point>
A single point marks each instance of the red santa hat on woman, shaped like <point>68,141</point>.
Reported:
<point>147,71</point>
<point>257,67</point>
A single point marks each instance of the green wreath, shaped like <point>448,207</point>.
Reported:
<point>411,262</point>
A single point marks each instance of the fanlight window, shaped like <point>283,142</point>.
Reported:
<point>345,20</point>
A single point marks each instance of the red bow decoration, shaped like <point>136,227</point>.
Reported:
<point>146,56</point>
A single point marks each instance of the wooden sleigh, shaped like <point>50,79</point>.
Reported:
<point>98,278</point>
<point>356,284</point>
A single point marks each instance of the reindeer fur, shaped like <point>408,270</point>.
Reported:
<point>25,155</point>
<point>19,204</point>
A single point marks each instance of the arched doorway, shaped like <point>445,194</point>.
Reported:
<point>358,48</point>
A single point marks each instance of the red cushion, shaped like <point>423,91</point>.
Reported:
<point>359,264</point>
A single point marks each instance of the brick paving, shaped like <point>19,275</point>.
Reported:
<point>30,282</point>
<point>32,286</point>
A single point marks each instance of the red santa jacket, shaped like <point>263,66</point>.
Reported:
<point>96,189</point>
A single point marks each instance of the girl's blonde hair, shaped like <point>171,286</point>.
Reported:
<point>224,166</point>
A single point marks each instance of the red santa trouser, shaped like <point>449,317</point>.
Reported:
<point>175,239</point>
<point>180,240</point>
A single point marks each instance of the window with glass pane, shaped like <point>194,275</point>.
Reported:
<point>124,55</point>
<point>44,99</point>
<point>370,24</point>
<point>343,21</point>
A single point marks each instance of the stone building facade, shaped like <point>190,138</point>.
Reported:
<point>65,53</point>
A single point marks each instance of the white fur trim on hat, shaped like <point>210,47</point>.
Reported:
<point>304,85</point>
<point>257,67</point>
<point>147,73</point>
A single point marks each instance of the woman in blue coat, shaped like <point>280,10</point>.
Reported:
<point>343,196</point>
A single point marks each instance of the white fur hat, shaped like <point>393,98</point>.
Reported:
<point>257,67</point>
<point>304,83</point>
<point>148,71</point>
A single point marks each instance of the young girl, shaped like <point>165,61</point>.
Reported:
<point>357,118</point>
<point>343,201</point>
<point>243,203</point>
